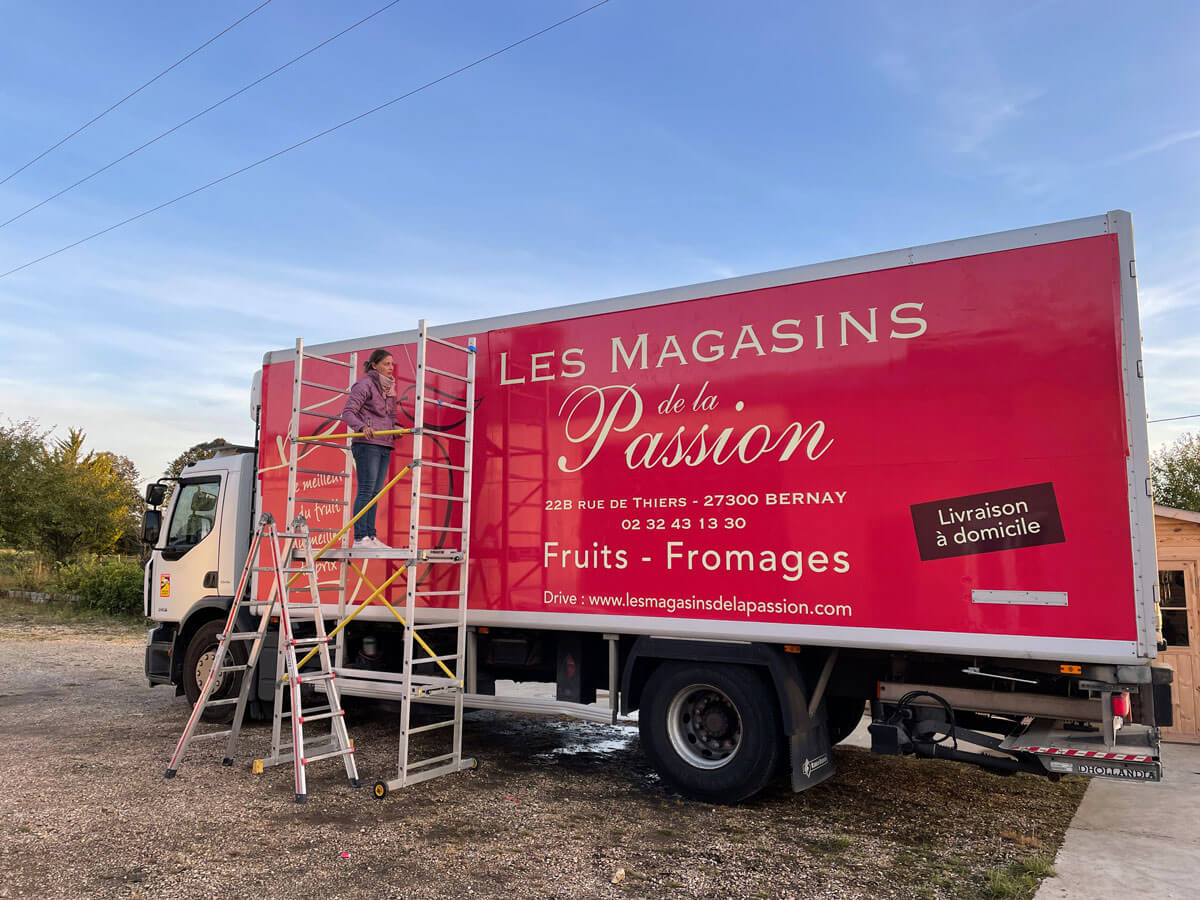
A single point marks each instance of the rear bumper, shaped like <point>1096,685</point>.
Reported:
<point>1133,756</point>
<point>160,648</point>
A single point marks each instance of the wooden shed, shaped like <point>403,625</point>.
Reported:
<point>1177,536</point>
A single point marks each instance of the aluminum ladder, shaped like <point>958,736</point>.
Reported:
<point>337,743</point>
<point>291,676</point>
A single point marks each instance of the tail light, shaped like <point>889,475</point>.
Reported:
<point>1120,705</point>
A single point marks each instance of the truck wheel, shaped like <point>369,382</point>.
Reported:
<point>198,660</point>
<point>844,715</point>
<point>711,731</point>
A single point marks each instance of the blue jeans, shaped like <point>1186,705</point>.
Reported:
<point>371,464</point>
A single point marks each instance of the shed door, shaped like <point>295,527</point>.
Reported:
<point>1179,593</point>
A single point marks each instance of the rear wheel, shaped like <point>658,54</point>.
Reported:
<point>712,732</point>
<point>198,662</point>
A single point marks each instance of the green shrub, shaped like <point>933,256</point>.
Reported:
<point>24,570</point>
<point>112,586</point>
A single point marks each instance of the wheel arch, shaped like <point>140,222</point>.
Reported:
<point>202,612</point>
<point>785,675</point>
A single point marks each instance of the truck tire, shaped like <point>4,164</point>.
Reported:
<point>198,659</point>
<point>844,715</point>
<point>712,732</point>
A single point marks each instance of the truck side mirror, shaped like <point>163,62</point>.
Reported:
<point>155,493</point>
<point>151,525</point>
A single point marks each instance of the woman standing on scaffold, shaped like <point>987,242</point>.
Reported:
<point>371,408</point>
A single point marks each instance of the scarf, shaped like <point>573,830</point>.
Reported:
<point>387,384</point>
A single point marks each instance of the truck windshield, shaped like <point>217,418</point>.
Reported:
<point>195,514</point>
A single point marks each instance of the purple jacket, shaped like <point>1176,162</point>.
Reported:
<point>367,405</point>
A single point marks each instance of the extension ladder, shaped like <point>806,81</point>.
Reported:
<point>445,452</point>
<point>288,671</point>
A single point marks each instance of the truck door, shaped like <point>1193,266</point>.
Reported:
<point>189,556</point>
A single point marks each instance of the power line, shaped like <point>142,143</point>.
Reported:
<point>1175,418</point>
<point>308,140</point>
<point>97,118</point>
<point>202,112</point>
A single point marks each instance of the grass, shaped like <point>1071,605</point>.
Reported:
<point>18,613</point>
<point>1020,880</point>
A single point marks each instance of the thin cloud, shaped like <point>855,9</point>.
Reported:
<point>976,117</point>
<point>1158,146</point>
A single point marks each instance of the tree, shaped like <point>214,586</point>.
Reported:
<point>191,455</point>
<point>1175,473</point>
<point>194,454</point>
<point>85,502</point>
<point>21,445</point>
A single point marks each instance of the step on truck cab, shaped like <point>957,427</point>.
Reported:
<point>749,509</point>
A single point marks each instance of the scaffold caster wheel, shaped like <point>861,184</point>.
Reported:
<point>380,790</point>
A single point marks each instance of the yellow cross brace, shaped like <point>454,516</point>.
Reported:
<point>351,434</point>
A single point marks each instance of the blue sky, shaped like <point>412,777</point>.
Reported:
<point>648,144</point>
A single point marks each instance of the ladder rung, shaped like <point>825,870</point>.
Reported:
<point>239,668</point>
<point>328,359</point>
<point>309,678</point>
<point>262,568</point>
<point>463,377</point>
<point>445,497</point>
<point>433,760</point>
<point>324,472</point>
<point>437,465</point>
<point>309,642</point>
<point>436,593</point>
<point>432,727</point>
<point>305,760</point>
<point>315,411</point>
<point>447,434</point>
<point>320,587</point>
<point>300,499</point>
<point>434,659</point>
<point>325,387</point>
<point>429,626</point>
<point>228,701</point>
<point>452,528</point>
<point>241,635</point>
<point>433,340</point>
<point>211,734</point>
<point>286,714</point>
<point>446,403</point>
<point>317,717</point>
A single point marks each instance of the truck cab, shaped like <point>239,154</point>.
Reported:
<point>198,548</point>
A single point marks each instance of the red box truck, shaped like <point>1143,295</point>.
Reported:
<point>748,508</point>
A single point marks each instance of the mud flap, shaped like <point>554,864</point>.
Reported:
<point>811,756</point>
<point>810,749</point>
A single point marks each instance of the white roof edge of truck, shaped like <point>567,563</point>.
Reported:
<point>1036,235</point>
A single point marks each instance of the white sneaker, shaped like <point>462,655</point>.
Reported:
<point>364,544</point>
<point>377,544</point>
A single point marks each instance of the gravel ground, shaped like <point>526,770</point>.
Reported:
<point>557,808</point>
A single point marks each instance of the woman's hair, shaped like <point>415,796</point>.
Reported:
<point>377,356</point>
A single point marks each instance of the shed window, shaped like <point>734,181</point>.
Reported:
<point>1172,602</point>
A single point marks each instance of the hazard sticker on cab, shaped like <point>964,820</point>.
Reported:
<point>164,585</point>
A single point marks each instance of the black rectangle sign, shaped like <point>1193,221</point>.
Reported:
<point>984,523</point>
